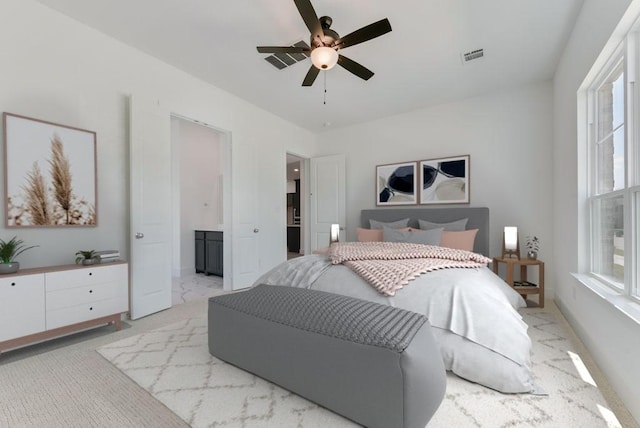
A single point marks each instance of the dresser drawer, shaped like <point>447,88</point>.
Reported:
<point>21,306</point>
<point>85,276</point>
<point>84,312</point>
<point>69,297</point>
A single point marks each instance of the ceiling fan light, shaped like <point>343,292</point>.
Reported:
<point>324,57</point>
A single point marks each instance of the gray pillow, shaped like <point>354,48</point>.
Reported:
<point>398,224</point>
<point>415,236</point>
<point>454,226</point>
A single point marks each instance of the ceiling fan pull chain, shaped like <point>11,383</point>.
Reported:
<point>325,88</point>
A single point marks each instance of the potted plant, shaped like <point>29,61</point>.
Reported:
<point>87,257</point>
<point>533,245</point>
<point>9,250</point>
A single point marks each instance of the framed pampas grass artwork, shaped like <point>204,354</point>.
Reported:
<point>50,174</point>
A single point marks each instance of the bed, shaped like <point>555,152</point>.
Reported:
<point>474,316</point>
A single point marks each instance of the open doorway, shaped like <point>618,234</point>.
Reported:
<point>198,226</point>
<point>295,206</point>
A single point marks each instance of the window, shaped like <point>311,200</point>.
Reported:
<point>614,194</point>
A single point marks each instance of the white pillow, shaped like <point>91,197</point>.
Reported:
<point>453,226</point>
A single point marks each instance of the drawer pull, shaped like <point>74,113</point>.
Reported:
<point>91,308</point>
<point>13,284</point>
<point>90,273</point>
<point>90,291</point>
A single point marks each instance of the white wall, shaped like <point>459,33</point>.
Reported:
<point>611,336</point>
<point>507,135</point>
<point>200,167</point>
<point>57,69</point>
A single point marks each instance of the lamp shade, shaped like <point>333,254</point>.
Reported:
<point>510,246</point>
<point>510,238</point>
<point>334,235</point>
<point>324,57</point>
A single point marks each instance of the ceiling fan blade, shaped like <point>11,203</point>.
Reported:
<point>311,76</point>
<point>282,49</point>
<point>355,68</point>
<point>369,32</point>
<point>310,18</point>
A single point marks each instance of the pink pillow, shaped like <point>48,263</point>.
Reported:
<point>374,235</point>
<point>369,235</point>
<point>463,240</point>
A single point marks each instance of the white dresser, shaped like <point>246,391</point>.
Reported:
<point>38,304</point>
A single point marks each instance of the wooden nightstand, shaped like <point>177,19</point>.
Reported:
<point>527,287</point>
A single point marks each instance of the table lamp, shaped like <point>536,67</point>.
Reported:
<point>510,245</point>
<point>334,234</point>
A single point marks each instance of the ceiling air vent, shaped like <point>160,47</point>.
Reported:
<point>283,60</point>
<point>471,55</point>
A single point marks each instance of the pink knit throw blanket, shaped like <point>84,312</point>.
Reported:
<point>389,266</point>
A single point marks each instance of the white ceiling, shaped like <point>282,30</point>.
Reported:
<point>417,65</point>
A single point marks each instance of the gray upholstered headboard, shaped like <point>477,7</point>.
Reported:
<point>478,219</point>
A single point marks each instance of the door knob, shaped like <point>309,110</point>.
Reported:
<point>256,230</point>
<point>139,235</point>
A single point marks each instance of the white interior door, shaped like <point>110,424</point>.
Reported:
<point>327,185</point>
<point>150,191</point>
<point>245,221</point>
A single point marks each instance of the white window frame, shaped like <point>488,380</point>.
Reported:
<point>628,52</point>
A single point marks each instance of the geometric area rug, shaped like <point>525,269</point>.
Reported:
<point>174,365</point>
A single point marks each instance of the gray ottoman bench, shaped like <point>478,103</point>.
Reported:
<point>374,364</point>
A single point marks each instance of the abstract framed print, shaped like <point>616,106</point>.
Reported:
<point>445,180</point>
<point>396,184</point>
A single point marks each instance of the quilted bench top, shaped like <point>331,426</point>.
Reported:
<point>329,314</point>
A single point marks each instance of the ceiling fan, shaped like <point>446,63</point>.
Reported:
<point>325,43</point>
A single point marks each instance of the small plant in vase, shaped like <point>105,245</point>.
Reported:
<point>9,250</point>
<point>533,245</point>
<point>87,257</point>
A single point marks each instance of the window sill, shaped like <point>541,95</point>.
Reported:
<point>622,303</point>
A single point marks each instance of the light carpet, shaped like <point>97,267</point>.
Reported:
<point>174,365</point>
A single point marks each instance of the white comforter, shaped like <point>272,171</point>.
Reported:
<point>472,311</point>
